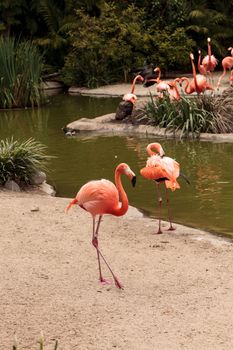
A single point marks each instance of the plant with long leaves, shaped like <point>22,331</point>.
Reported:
<point>20,160</point>
<point>189,117</point>
<point>20,74</point>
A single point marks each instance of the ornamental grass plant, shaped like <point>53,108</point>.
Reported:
<point>20,74</point>
<point>189,116</point>
<point>20,160</point>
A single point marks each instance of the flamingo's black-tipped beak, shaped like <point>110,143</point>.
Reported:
<point>133,180</point>
<point>185,177</point>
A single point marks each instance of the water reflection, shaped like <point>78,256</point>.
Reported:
<point>206,203</point>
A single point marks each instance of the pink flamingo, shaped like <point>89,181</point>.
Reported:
<point>131,97</point>
<point>100,197</point>
<point>163,87</point>
<point>199,82</point>
<point>161,169</point>
<point>230,49</point>
<point>209,61</point>
<point>227,63</point>
<point>200,66</point>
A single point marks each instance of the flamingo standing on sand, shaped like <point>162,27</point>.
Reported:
<point>200,66</point>
<point>163,86</point>
<point>125,107</point>
<point>227,63</point>
<point>100,197</point>
<point>209,61</point>
<point>198,83</point>
<point>131,97</point>
<point>161,169</point>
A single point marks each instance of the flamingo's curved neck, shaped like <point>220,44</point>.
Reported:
<point>122,209</point>
<point>158,79</point>
<point>209,55</point>
<point>199,61</point>
<point>176,92</point>
<point>134,82</point>
<point>157,147</point>
<point>187,85</point>
<point>194,74</point>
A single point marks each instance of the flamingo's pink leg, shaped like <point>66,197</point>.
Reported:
<point>171,228</point>
<point>160,208</point>
<point>95,244</point>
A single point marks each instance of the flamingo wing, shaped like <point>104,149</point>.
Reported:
<point>172,172</point>
<point>98,197</point>
<point>154,173</point>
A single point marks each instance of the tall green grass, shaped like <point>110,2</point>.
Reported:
<point>188,117</point>
<point>20,74</point>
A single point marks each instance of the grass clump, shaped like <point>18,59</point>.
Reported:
<point>189,116</point>
<point>20,74</point>
<point>20,160</point>
<point>41,343</point>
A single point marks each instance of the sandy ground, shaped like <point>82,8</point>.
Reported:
<point>177,293</point>
<point>142,92</point>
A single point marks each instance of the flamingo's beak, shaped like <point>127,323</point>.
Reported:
<point>133,180</point>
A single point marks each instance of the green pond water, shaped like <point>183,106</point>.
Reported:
<point>207,203</point>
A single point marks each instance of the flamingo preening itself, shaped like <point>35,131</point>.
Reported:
<point>100,197</point>
<point>161,169</point>
<point>199,82</point>
<point>163,87</point>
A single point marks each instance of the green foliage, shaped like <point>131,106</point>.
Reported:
<point>96,42</point>
<point>103,49</point>
<point>20,74</point>
<point>172,49</point>
<point>20,160</point>
<point>188,116</point>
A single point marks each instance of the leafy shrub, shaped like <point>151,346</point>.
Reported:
<point>20,74</point>
<point>105,48</point>
<point>20,160</point>
<point>188,115</point>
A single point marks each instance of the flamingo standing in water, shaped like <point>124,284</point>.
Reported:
<point>100,197</point>
<point>161,169</point>
<point>227,63</point>
<point>198,83</point>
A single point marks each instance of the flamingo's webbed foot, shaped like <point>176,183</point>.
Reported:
<point>104,281</point>
<point>171,228</point>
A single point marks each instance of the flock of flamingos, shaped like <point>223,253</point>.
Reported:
<point>199,83</point>
<point>99,197</point>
